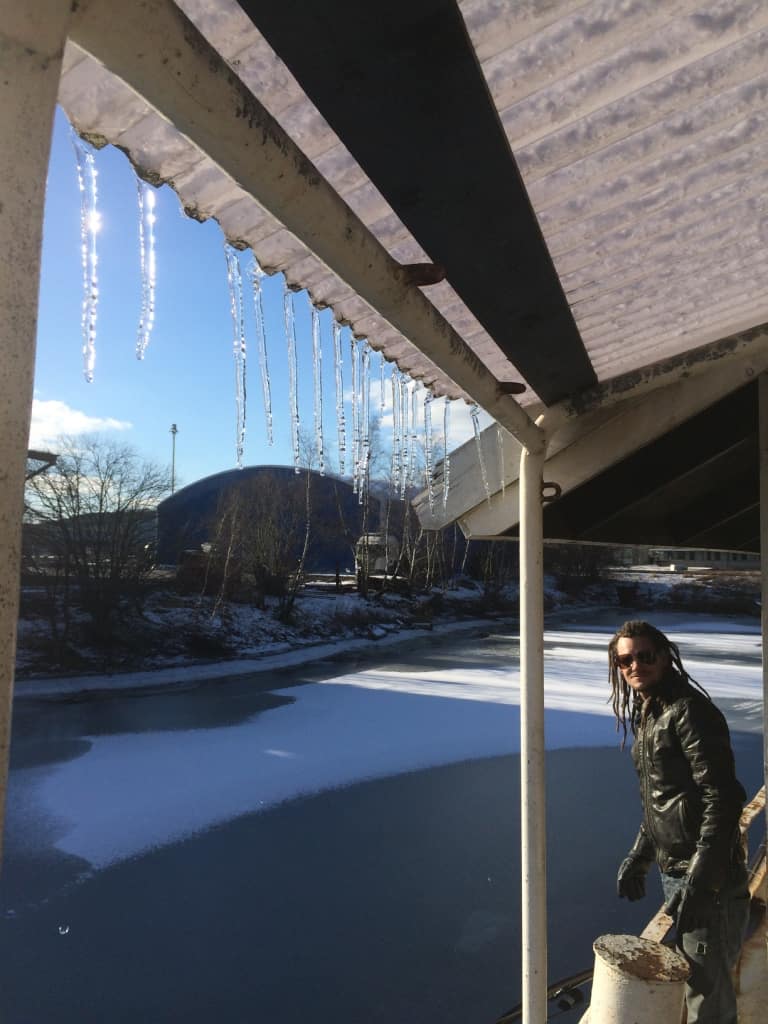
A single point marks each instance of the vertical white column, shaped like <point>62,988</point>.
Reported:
<point>32,38</point>
<point>762,384</point>
<point>532,769</point>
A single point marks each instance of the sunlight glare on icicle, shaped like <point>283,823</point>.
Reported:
<point>256,275</point>
<point>147,264</point>
<point>90,224</point>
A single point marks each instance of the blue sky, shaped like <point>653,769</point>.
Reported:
<point>187,376</point>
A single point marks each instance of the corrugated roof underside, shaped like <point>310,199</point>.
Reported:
<point>640,129</point>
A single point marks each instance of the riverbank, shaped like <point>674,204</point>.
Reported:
<point>178,643</point>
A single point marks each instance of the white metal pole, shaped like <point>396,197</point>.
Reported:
<point>32,38</point>
<point>762,385</point>
<point>532,770</point>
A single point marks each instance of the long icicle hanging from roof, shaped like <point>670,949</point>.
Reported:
<point>257,275</point>
<point>402,395</point>
<point>90,223</point>
<point>145,195</point>
<point>502,472</point>
<point>446,455</point>
<point>354,357</point>
<point>293,383</point>
<point>341,426</point>
<point>475,413</point>
<point>235,284</point>
<point>428,451</point>
<point>414,438</point>
<point>365,419</point>
<point>317,384</point>
<point>396,460</point>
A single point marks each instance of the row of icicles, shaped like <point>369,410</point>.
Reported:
<point>353,440</point>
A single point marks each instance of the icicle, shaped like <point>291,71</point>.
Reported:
<point>340,422</point>
<point>500,442</point>
<point>382,365</point>
<point>235,282</point>
<point>290,337</point>
<point>428,449</point>
<point>405,434</point>
<point>353,352</point>
<point>414,439</point>
<point>256,274</point>
<point>147,264</point>
<point>317,384</point>
<point>365,418</point>
<point>90,225</point>
<point>475,413</point>
<point>446,456</point>
<point>396,430</point>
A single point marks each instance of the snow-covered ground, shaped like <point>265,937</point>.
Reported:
<point>132,791</point>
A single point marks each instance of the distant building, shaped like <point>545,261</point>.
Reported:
<point>188,518</point>
<point>701,558</point>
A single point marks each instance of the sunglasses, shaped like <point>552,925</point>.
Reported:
<point>646,657</point>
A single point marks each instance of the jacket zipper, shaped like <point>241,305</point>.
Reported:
<point>644,779</point>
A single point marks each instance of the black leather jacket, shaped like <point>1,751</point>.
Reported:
<point>692,800</point>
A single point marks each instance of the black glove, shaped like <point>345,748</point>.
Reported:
<point>695,907</point>
<point>630,882</point>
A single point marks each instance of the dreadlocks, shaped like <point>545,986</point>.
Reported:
<point>623,699</point>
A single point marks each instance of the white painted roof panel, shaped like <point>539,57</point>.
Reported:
<point>640,130</point>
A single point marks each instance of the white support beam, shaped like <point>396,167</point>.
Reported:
<point>158,52</point>
<point>32,38</point>
<point>593,442</point>
<point>745,352</point>
<point>533,836</point>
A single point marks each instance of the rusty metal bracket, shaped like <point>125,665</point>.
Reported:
<point>422,274</point>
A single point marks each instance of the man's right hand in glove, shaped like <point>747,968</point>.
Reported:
<point>630,882</point>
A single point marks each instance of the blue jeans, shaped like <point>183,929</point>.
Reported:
<point>712,952</point>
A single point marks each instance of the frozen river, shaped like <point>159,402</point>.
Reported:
<point>340,845</point>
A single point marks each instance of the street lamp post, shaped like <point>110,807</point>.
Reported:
<point>174,432</point>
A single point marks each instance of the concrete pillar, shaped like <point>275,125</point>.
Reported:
<point>636,981</point>
<point>32,38</point>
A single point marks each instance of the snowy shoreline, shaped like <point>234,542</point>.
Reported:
<point>599,618</point>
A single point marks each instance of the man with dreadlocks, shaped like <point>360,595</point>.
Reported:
<point>692,803</point>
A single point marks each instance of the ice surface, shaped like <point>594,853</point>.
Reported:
<point>130,793</point>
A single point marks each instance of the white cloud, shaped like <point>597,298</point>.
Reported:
<point>52,418</point>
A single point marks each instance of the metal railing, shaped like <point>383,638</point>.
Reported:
<point>567,993</point>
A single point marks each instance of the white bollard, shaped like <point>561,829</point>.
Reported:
<point>636,981</point>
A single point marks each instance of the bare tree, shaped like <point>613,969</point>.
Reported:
<point>92,518</point>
